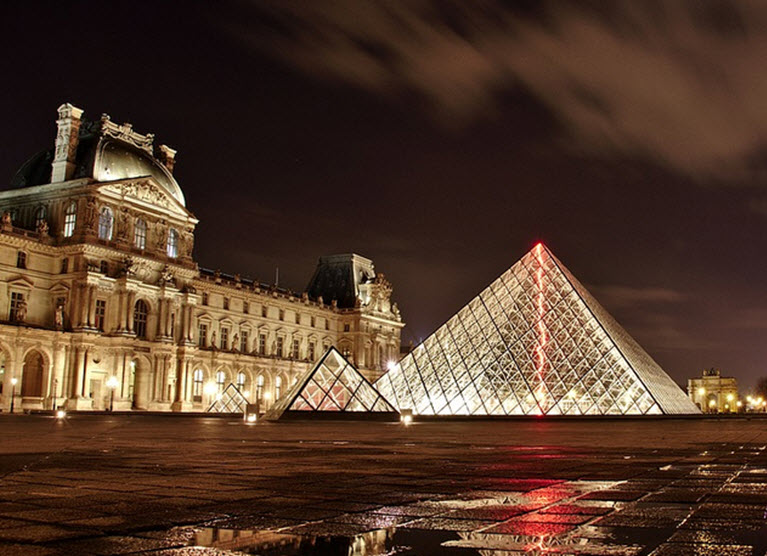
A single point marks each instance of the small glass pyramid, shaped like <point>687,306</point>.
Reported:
<point>534,342</point>
<point>332,385</point>
<point>230,400</point>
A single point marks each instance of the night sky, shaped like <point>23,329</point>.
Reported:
<point>443,141</point>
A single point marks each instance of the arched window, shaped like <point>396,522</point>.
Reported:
<point>40,215</point>
<point>172,247</point>
<point>197,385</point>
<point>70,219</point>
<point>259,386</point>
<point>106,219</point>
<point>240,380</point>
<point>277,387</point>
<point>139,234</point>
<point>139,318</point>
<point>220,380</point>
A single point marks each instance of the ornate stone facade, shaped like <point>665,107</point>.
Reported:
<point>97,280</point>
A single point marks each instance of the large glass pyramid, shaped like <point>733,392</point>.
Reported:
<point>534,342</point>
<point>332,385</point>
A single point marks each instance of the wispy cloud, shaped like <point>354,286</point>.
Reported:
<point>682,83</point>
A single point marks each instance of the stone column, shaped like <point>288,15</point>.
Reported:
<point>182,402</point>
<point>120,311</point>
<point>162,313</point>
<point>10,366</point>
<point>92,307</point>
<point>131,310</point>
<point>57,376</point>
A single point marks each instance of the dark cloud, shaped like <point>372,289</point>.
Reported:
<point>682,83</point>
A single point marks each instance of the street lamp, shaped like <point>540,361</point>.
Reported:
<point>112,384</point>
<point>211,388</point>
<point>14,381</point>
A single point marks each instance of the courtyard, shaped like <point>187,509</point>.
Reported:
<point>173,485</point>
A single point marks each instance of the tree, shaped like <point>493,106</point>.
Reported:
<point>761,387</point>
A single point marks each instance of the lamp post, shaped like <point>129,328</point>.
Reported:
<point>14,381</point>
<point>211,388</point>
<point>55,393</point>
<point>112,384</point>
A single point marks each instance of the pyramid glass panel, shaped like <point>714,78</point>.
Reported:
<point>332,385</point>
<point>534,342</point>
<point>230,400</point>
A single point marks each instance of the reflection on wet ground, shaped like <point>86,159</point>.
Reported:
<point>130,486</point>
<point>553,517</point>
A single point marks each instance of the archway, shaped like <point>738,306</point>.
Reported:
<point>32,375</point>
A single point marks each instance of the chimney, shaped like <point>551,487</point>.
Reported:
<point>167,156</point>
<point>68,135</point>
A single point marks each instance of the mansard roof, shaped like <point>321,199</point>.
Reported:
<point>106,152</point>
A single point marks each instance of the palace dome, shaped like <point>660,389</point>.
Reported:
<point>102,158</point>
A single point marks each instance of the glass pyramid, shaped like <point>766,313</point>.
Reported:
<point>534,342</point>
<point>332,385</point>
<point>231,400</point>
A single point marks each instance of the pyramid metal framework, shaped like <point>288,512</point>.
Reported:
<point>231,400</point>
<point>332,385</point>
<point>534,342</point>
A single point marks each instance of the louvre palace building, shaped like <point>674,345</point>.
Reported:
<point>102,303</point>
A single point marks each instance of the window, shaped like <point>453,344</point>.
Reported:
<point>139,234</point>
<point>224,337</point>
<point>104,267</point>
<point>264,311</point>
<point>282,314</point>
<point>202,334</point>
<point>327,324</point>
<point>277,387</point>
<point>64,265</point>
<point>220,380</point>
<point>312,321</point>
<point>298,318</point>
<point>312,348</point>
<point>21,259</point>
<point>244,341</point>
<point>241,380</point>
<point>294,349</point>
<point>106,219</point>
<point>17,300</point>
<point>40,215</point>
<point>347,327</point>
<point>262,344</point>
<point>197,385</point>
<point>259,387</point>
<point>70,219</point>
<point>280,346</point>
<point>172,246</point>
<point>140,313</point>
<point>101,311</point>
<point>226,304</point>
<point>204,298</point>
<point>245,307</point>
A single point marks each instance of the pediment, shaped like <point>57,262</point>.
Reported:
<point>21,281</point>
<point>145,191</point>
<point>60,287</point>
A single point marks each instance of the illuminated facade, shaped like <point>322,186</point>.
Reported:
<point>98,282</point>
<point>534,342</point>
<point>714,393</point>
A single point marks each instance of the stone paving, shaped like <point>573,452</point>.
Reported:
<point>170,485</point>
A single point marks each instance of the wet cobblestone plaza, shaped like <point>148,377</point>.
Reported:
<point>102,484</point>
